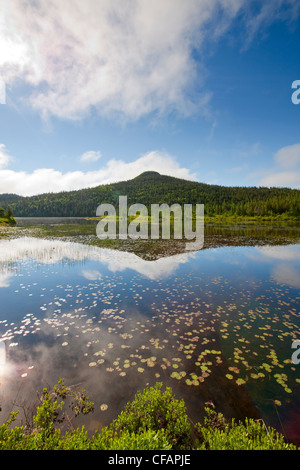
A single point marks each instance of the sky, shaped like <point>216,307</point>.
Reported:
<point>98,91</point>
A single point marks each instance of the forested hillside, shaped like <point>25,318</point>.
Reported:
<point>150,188</point>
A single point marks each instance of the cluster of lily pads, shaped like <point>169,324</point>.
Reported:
<point>181,330</point>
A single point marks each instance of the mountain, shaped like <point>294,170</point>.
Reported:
<point>151,187</point>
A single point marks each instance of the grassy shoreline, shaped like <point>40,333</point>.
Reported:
<point>227,219</point>
<point>7,222</point>
<point>215,235</point>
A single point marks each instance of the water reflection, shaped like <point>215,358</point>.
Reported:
<point>5,277</point>
<point>216,235</point>
<point>2,355</point>
<point>285,263</point>
<point>285,253</point>
<point>215,325</point>
<point>56,251</point>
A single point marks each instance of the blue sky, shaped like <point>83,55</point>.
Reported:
<point>98,91</point>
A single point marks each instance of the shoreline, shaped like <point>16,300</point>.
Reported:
<point>216,235</point>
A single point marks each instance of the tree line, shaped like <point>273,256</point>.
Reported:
<point>153,188</point>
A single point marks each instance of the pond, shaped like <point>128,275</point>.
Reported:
<point>216,325</point>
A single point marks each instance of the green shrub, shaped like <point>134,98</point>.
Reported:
<point>153,420</point>
<point>217,434</point>
<point>155,410</point>
<point>144,440</point>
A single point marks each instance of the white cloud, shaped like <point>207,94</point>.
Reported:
<point>91,156</point>
<point>121,57</point>
<point>5,279</point>
<point>281,179</point>
<point>286,170</point>
<point>285,253</point>
<point>45,180</point>
<point>55,251</point>
<point>5,158</point>
<point>286,274</point>
<point>125,58</point>
<point>91,274</point>
<point>259,17</point>
<point>289,156</point>
<point>282,259</point>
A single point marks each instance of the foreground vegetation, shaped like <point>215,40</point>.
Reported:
<point>6,217</point>
<point>153,420</point>
<point>152,188</point>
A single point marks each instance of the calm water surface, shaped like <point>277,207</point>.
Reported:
<point>214,325</point>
